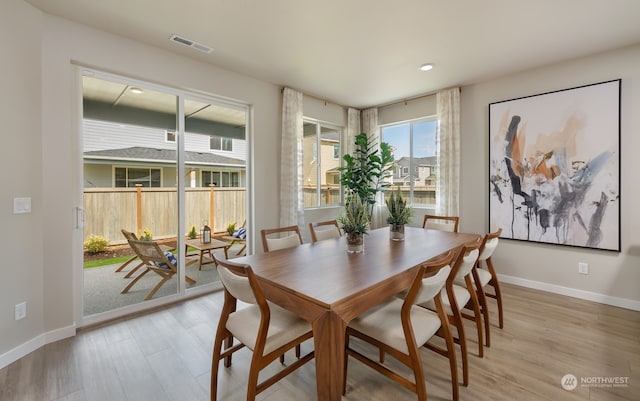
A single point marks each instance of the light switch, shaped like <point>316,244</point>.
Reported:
<point>21,205</point>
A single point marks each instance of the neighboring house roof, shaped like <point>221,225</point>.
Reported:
<point>138,154</point>
<point>419,161</point>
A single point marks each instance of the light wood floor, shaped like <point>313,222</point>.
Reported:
<point>166,355</point>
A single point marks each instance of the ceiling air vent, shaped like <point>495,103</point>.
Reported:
<point>190,43</point>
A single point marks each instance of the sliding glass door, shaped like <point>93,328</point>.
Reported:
<point>161,164</point>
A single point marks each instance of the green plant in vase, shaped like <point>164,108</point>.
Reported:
<point>399,215</point>
<point>354,221</point>
<point>367,170</point>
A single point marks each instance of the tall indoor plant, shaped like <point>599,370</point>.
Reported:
<point>367,170</point>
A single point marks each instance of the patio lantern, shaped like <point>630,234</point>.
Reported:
<point>205,235</point>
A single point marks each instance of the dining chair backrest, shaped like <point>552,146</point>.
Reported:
<point>489,244</point>
<point>434,276</point>
<point>235,279</point>
<point>442,223</point>
<point>464,263</point>
<point>468,261</point>
<point>324,230</point>
<point>293,238</point>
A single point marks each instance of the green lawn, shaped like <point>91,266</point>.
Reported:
<point>103,262</point>
<point>112,261</point>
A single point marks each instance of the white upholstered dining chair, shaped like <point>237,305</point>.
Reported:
<point>324,230</point>
<point>399,327</point>
<point>458,292</point>
<point>265,328</point>
<point>443,223</point>
<point>273,238</point>
<point>485,276</point>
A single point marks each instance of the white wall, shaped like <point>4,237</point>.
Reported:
<point>41,156</point>
<point>21,164</point>
<point>614,277</point>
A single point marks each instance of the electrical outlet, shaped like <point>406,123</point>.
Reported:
<point>20,311</point>
<point>583,268</point>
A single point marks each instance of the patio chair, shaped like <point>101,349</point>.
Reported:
<point>128,235</point>
<point>239,237</point>
<point>154,259</point>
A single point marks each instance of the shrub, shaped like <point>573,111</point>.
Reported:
<point>96,243</point>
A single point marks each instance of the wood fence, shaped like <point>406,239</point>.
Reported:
<point>108,210</point>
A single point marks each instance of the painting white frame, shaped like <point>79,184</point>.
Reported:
<point>554,167</point>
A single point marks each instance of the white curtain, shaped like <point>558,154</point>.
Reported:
<point>448,152</point>
<point>353,129</point>
<point>370,126</point>
<point>291,199</point>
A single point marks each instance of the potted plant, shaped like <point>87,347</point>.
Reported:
<point>367,170</point>
<point>399,215</point>
<point>193,233</point>
<point>231,228</point>
<point>146,235</point>
<point>354,221</point>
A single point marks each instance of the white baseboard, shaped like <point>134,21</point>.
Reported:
<point>35,343</point>
<point>572,292</point>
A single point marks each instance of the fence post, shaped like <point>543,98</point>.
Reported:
<point>211,208</point>
<point>139,208</point>
<point>328,195</point>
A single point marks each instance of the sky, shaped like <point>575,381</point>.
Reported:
<point>424,139</point>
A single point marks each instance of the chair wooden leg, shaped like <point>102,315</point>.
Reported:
<point>485,315</point>
<point>346,358</point>
<point>453,365</point>
<point>482,299</point>
<point>135,269</point>
<point>135,280</point>
<point>123,265</point>
<point>478,321</point>
<point>496,288</point>
<point>157,287</point>
<point>215,365</point>
<point>462,342</point>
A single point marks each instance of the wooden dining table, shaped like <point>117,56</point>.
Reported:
<point>329,287</point>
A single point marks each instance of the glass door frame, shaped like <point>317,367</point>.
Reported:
<point>182,292</point>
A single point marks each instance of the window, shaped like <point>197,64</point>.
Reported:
<point>221,178</point>
<point>413,145</point>
<point>220,143</point>
<point>170,136</point>
<point>127,177</point>
<point>321,158</point>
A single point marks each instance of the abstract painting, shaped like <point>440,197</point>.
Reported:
<point>554,172</point>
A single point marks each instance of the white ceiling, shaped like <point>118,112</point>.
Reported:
<point>364,53</point>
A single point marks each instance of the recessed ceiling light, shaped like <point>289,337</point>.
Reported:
<point>426,67</point>
<point>137,91</point>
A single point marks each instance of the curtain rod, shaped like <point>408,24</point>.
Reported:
<point>304,94</point>
<point>405,100</point>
